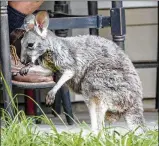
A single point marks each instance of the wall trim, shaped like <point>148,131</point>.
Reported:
<point>128,4</point>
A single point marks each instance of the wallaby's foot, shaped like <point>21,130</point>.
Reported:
<point>24,70</point>
<point>50,97</point>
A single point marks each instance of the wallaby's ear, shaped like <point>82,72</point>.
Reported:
<point>29,22</point>
<point>41,23</point>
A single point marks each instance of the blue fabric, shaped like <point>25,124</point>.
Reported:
<point>15,19</point>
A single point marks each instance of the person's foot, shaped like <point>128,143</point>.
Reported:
<point>70,122</point>
<point>70,119</point>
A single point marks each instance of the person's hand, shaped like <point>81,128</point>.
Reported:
<point>25,7</point>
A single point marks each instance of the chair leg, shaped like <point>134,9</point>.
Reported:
<point>29,104</point>
<point>38,112</point>
<point>93,10</point>
<point>118,24</point>
<point>5,57</point>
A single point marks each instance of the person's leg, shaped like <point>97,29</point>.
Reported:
<point>57,104</point>
<point>63,96</point>
<point>66,103</point>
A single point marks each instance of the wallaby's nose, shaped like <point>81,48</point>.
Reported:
<point>22,61</point>
<point>30,44</point>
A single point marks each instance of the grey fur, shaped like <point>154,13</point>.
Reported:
<point>102,73</point>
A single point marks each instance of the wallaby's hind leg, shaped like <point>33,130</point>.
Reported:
<point>97,112</point>
<point>134,118</point>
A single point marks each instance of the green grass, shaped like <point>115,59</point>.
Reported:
<point>22,131</point>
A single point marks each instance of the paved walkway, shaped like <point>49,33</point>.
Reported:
<point>150,117</point>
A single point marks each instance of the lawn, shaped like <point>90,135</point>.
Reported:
<point>22,131</point>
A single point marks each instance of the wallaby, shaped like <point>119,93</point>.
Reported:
<point>92,66</point>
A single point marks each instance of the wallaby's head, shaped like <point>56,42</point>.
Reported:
<point>35,41</point>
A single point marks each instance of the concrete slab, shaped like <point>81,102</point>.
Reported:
<point>150,117</point>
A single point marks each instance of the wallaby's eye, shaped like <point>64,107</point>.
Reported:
<point>30,45</point>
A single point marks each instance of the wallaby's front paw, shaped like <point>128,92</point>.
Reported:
<point>24,70</point>
<point>50,97</point>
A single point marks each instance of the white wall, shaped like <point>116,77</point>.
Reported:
<point>128,4</point>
